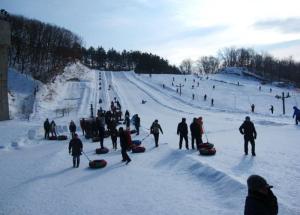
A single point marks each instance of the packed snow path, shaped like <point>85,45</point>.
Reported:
<point>38,179</point>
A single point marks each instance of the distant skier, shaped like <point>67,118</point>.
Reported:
<point>252,108</point>
<point>270,90</point>
<point>249,132</point>
<point>72,128</point>
<point>154,129</point>
<point>296,115</point>
<point>47,128</point>
<point>272,109</point>
<point>124,146</point>
<point>53,129</point>
<point>212,102</point>
<point>205,97</point>
<point>193,96</point>
<point>259,88</point>
<point>214,87</point>
<point>75,148</point>
<point>82,125</point>
<point>260,199</point>
<point>182,131</point>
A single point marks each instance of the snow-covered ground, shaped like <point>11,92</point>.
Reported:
<point>37,178</point>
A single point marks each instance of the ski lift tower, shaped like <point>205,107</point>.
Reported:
<point>5,36</point>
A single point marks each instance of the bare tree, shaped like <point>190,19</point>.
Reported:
<point>186,66</point>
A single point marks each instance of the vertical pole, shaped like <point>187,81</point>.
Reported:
<point>5,40</point>
<point>283,103</point>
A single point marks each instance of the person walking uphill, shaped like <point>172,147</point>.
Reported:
<point>249,132</point>
<point>124,146</point>
<point>260,199</point>
<point>75,149</point>
<point>182,131</point>
<point>137,124</point>
<point>154,129</point>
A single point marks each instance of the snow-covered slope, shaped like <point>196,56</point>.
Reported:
<point>38,178</point>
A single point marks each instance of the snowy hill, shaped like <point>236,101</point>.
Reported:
<point>37,178</point>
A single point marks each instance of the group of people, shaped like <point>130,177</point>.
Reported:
<point>196,128</point>
<point>49,128</point>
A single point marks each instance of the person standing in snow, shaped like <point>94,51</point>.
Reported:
<point>182,131</point>
<point>75,149</point>
<point>195,133</point>
<point>200,130</point>
<point>53,128</point>
<point>154,129</point>
<point>72,128</point>
<point>82,125</point>
<point>260,199</point>
<point>252,108</point>
<point>127,122</point>
<point>137,124</point>
<point>124,146</point>
<point>249,132</point>
<point>114,137</point>
<point>272,109</point>
<point>47,128</point>
<point>296,115</point>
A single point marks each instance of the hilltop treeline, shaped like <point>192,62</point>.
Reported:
<point>41,49</point>
<point>113,60</point>
<point>264,64</point>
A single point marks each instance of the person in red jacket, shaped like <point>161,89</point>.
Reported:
<point>124,142</point>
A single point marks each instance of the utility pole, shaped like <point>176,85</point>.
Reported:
<point>5,41</point>
<point>180,85</point>
<point>283,97</point>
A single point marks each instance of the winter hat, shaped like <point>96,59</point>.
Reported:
<point>256,182</point>
<point>247,118</point>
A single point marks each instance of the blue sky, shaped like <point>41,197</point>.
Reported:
<point>174,29</point>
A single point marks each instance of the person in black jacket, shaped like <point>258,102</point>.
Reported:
<point>195,133</point>
<point>47,128</point>
<point>75,148</point>
<point>124,146</point>
<point>260,199</point>
<point>249,132</point>
<point>137,124</point>
<point>154,129</point>
<point>182,131</point>
<point>72,128</point>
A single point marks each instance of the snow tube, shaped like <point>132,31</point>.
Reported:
<point>206,151</point>
<point>205,145</point>
<point>62,137</point>
<point>132,131</point>
<point>103,150</point>
<point>136,142</point>
<point>138,149</point>
<point>52,138</point>
<point>96,139</point>
<point>96,164</point>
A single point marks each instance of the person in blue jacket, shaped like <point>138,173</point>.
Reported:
<point>296,115</point>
